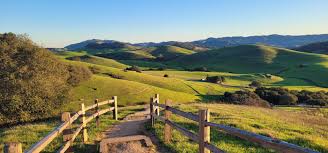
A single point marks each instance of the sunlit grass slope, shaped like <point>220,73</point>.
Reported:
<point>298,127</point>
<point>261,59</point>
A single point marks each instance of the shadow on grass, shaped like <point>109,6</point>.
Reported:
<point>210,98</point>
<point>307,144</point>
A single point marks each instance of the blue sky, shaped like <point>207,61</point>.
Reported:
<point>56,23</point>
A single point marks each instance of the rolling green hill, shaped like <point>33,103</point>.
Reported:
<point>319,48</point>
<point>160,53</point>
<point>128,55</point>
<point>170,52</point>
<point>261,59</point>
<point>99,61</point>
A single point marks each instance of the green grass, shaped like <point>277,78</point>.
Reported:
<point>261,59</point>
<point>103,61</point>
<point>128,92</point>
<point>29,134</point>
<point>66,54</point>
<point>170,52</point>
<point>304,129</point>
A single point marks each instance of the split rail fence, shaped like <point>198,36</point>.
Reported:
<point>203,135</point>
<point>66,129</point>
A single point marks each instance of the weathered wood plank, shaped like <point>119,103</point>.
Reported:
<point>167,127</point>
<point>213,148</point>
<point>151,105</point>
<point>39,146</point>
<point>204,130</point>
<point>115,108</point>
<point>280,146</point>
<point>182,130</point>
<point>160,118</point>
<point>159,105</point>
<point>13,147</point>
<point>96,111</point>
<point>84,124</point>
<point>187,115</point>
<point>99,104</point>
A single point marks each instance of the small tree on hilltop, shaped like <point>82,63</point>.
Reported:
<point>255,84</point>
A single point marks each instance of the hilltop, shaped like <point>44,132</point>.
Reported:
<point>319,47</point>
<point>285,41</point>
<point>260,59</point>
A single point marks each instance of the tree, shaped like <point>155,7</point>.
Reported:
<point>255,84</point>
<point>287,99</point>
<point>33,82</point>
<point>134,68</point>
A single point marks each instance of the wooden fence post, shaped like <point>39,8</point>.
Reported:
<point>204,131</point>
<point>167,127</point>
<point>67,133</point>
<point>97,111</point>
<point>13,147</point>
<point>152,111</point>
<point>85,133</point>
<point>157,101</point>
<point>115,108</point>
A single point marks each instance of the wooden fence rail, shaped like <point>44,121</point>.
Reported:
<point>65,128</point>
<point>203,135</point>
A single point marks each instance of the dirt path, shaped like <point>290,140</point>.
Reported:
<point>132,126</point>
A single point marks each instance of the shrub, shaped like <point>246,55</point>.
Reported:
<point>204,69</point>
<point>319,102</point>
<point>33,82</point>
<point>78,74</point>
<point>95,69</point>
<point>287,99</point>
<point>115,76</point>
<point>166,75</point>
<point>245,98</point>
<point>255,84</point>
<point>215,79</point>
<point>161,69</point>
<point>271,95</point>
<point>134,68</point>
<point>281,96</point>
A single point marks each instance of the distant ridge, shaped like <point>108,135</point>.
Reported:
<point>319,48</point>
<point>285,41</point>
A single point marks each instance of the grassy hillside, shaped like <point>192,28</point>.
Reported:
<point>128,55</point>
<point>128,92</point>
<point>170,52</point>
<point>319,47</point>
<point>306,128</point>
<point>262,59</point>
<point>99,61</point>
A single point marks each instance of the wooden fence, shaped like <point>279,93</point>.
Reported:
<point>203,135</point>
<point>65,128</point>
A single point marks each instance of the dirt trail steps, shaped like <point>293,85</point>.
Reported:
<point>129,136</point>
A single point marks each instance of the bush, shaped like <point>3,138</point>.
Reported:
<point>204,69</point>
<point>78,74</point>
<point>319,102</point>
<point>161,69</point>
<point>33,82</point>
<point>288,99</point>
<point>280,96</point>
<point>255,84</point>
<point>166,75</point>
<point>134,68</point>
<point>245,98</point>
<point>115,76</point>
<point>271,95</point>
<point>215,79</point>
<point>95,69</point>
